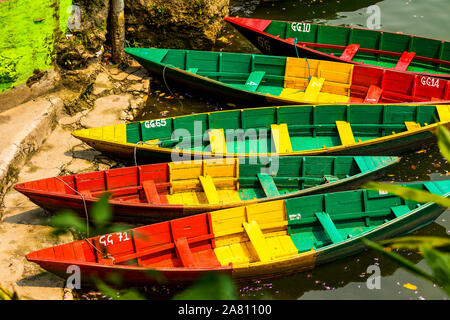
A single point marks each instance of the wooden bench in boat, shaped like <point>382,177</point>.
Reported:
<point>314,87</point>
<point>184,252</point>
<point>268,185</point>
<point>217,141</point>
<point>400,210</point>
<point>150,191</point>
<point>210,189</point>
<point>350,52</point>
<point>373,94</point>
<point>281,138</point>
<point>345,132</point>
<point>328,225</point>
<point>404,61</point>
<point>258,241</point>
<point>253,81</point>
<point>411,125</point>
<point>443,112</point>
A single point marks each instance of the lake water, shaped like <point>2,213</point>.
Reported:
<point>344,279</point>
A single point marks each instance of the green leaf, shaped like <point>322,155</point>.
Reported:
<point>409,193</point>
<point>439,262</point>
<point>209,287</point>
<point>101,212</point>
<point>129,294</point>
<point>443,136</point>
<point>416,242</point>
<point>401,261</point>
<point>66,220</point>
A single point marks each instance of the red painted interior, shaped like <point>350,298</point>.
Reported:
<point>181,243</point>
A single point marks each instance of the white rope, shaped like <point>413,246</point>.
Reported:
<point>142,142</point>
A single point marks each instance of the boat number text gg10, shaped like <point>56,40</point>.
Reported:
<point>301,27</point>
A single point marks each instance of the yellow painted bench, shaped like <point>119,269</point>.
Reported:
<point>281,138</point>
<point>345,132</point>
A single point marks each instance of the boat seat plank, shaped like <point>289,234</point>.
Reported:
<point>443,112</point>
<point>281,138</point>
<point>268,185</point>
<point>411,125</point>
<point>328,225</point>
<point>350,52</point>
<point>373,94</point>
<point>258,241</point>
<point>313,89</point>
<point>192,70</point>
<point>404,61</point>
<point>184,253</point>
<point>345,132</point>
<point>150,192</point>
<point>210,189</point>
<point>431,187</point>
<point>400,210</point>
<point>217,140</point>
<point>362,164</point>
<point>253,80</point>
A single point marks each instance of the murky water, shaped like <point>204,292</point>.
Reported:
<point>344,279</point>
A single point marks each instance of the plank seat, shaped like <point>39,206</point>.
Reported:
<point>253,80</point>
<point>150,191</point>
<point>281,138</point>
<point>345,132</point>
<point>217,140</point>
<point>350,52</point>
<point>443,112</point>
<point>268,185</point>
<point>210,189</point>
<point>192,70</point>
<point>373,94</point>
<point>258,241</point>
<point>184,252</point>
<point>404,61</point>
<point>328,225</point>
<point>313,89</point>
<point>431,187</point>
<point>411,125</point>
<point>362,164</point>
<point>400,210</point>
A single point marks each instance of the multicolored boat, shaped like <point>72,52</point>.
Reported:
<point>254,241</point>
<point>260,80</point>
<point>272,131</point>
<point>170,190</point>
<point>380,49</point>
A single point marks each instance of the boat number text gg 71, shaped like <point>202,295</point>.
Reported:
<point>107,240</point>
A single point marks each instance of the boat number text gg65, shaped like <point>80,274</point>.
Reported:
<point>155,123</point>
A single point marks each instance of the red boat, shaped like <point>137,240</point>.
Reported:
<point>169,190</point>
<point>256,241</point>
<point>380,49</point>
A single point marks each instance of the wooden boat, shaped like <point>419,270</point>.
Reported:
<point>259,80</point>
<point>271,131</point>
<point>255,241</point>
<point>380,49</point>
<point>169,190</point>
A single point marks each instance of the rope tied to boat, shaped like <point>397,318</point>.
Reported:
<point>307,62</point>
<point>143,142</point>
<point>165,82</point>
<point>84,203</point>
<point>104,255</point>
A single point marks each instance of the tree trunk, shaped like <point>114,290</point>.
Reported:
<point>117,30</point>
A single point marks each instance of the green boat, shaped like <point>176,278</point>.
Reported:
<point>264,132</point>
<point>380,49</point>
<point>259,80</point>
